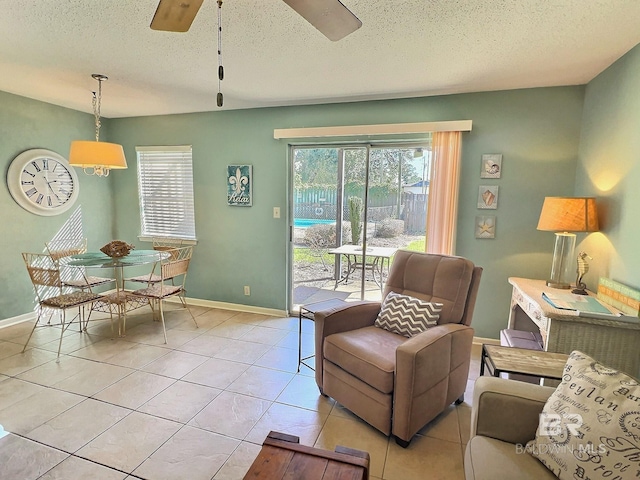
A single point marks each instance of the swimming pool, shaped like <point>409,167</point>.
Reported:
<point>307,222</point>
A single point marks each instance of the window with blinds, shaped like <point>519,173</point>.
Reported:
<point>165,191</point>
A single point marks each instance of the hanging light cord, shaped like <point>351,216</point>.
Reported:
<point>220,67</point>
<point>96,102</point>
<point>96,109</point>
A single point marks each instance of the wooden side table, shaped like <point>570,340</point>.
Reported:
<point>308,311</point>
<point>282,456</point>
<point>535,363</point>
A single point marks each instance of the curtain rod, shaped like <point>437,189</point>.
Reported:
<point>382,129</point>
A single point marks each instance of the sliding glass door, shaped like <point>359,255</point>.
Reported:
<point>352,207</point>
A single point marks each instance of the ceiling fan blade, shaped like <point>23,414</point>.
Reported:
<point>330,17</point>
<point>175,15</point>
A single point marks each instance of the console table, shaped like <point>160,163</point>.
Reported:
<point>612,341</point>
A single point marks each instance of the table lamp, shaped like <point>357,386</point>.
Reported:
<point>564,216</point>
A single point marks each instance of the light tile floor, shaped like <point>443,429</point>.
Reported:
<point>196,408</point>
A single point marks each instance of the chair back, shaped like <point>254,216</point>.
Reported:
<point>452,281</point>
<point>44,274</point>
<point>170,245</point>
<point>65,247</point>
<point>166,242</point>
<point>177,264</point>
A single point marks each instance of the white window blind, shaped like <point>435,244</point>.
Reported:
<point>165,191</point>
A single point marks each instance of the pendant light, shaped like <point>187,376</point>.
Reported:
<point>96,157</point>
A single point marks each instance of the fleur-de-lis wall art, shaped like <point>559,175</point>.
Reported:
<point>239,185</point>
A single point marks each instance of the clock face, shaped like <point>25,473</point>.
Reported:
<point>42,182</point>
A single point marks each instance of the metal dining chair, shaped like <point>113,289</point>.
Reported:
<point>74,278</point>
<point>173,269</point>
<point>161,244</point>
<point>44,272</point>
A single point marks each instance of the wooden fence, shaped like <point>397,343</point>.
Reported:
<point>414,213</point>
<point>321,204</point>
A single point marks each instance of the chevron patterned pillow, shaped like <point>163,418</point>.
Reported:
<point>407,315</point>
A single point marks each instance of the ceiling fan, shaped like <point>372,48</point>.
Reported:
<point>330,17</point>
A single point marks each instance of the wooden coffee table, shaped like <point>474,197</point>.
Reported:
<point>282,456</point>
<point>535,363</point>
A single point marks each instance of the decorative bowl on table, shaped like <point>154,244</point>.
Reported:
<point>117,249</point>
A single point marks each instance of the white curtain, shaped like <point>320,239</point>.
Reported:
<point>442,211</point>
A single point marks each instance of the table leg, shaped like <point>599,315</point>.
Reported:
<point>122,307</point>
<point>388,266</point>
<point>484,358</point>
<point>374,269</point>
<point>337,270</point>
<point>378,267</point>
<point>351,266</point>
<point>306,314</point>
<point>299,338</point>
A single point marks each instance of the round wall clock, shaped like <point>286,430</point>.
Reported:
<point>42,182</point>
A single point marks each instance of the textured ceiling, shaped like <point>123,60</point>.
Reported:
<point>272,56</point>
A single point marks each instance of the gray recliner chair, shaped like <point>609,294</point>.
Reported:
<point>399,384</point>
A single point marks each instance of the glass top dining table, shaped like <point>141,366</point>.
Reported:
<point>120,301</point>
<point>102,260</point>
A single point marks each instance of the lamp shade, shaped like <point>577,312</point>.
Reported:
<point>89,154</point>
<point>569,214</point>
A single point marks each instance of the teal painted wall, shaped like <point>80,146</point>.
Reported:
<point>27,124</point>
<point>536,130</point>
<point>609,168</point>
<point>555,141</point>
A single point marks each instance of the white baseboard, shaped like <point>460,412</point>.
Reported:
<point>191,301</point>
<point>7,322</point>
<point>233,306</point>
<point>223,306</point>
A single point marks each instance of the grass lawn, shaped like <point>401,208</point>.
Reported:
<point>417,245</point>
